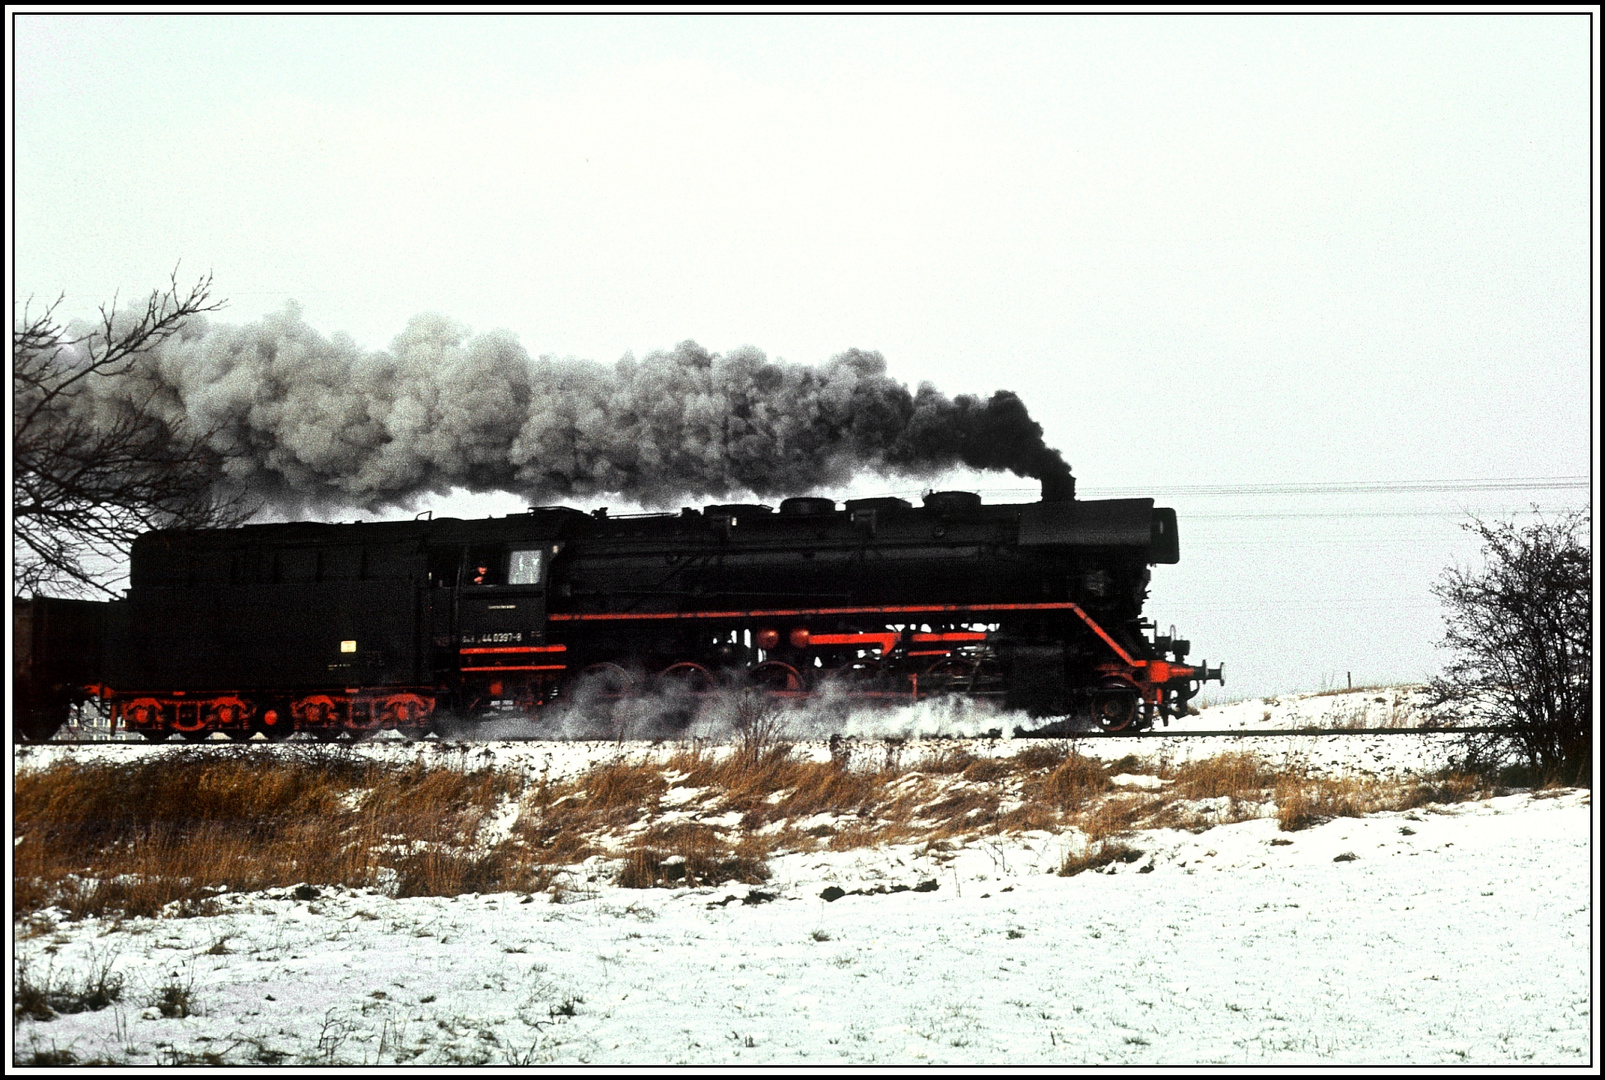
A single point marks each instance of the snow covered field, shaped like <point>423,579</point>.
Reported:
<point>1448,935</point>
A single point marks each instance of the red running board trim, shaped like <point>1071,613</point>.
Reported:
<point>783,613</point>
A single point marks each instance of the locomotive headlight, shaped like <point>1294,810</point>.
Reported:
<point>348,646</point>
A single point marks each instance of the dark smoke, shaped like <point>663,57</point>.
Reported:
<point>309,421</point>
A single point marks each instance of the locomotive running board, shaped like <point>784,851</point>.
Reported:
<point>798,613</point>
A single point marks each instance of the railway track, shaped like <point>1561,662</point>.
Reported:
<point>1221,733</point>
<point>1282,733</point>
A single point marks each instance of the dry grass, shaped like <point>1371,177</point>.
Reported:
<point>136,838</point>
<point>1364,688</point>
<point>691,854</point>
<point>1234,776</point>
<point>43,996</point>
<point>167,834</point>
<point>1303,799</point>
<point>1071,785</point>
<point>772,784</point>
<point>1096,857</point>
<point>1117,816</point>
<point>1043,755</point>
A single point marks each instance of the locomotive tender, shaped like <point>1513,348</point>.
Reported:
<point>348,629</point>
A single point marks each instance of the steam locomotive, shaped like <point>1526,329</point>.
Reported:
<point>343,630</point>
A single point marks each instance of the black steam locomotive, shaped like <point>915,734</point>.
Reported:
<point>347,629</point>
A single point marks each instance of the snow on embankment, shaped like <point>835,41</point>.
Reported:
<point>1450,936</point>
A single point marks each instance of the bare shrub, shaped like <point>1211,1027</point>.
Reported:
<point>759,725</point>
<point>1521,636</point>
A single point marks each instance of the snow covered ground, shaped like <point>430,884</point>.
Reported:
<point>1443,936</point>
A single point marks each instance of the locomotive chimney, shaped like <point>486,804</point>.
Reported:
<point>1058,486</point>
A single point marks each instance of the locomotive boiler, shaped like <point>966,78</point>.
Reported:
<point>348,629</point>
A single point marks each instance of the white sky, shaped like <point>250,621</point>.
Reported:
<point>1229,249</point>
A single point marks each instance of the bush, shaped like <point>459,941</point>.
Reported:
<point>1522,641</point>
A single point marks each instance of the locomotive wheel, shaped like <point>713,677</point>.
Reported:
<point>195,736</point>
<point>687,675</point>
<point>681,685</point>
<point>155,736</point>
<point>324,734</point>
<point>275,722</point>
<point>360,732</point>
<point>36,729</point>
<point>1114,709</point>
<point>952,673</point>
<point>777,676</point>
<point>962,675</point>
<point>608,680</point>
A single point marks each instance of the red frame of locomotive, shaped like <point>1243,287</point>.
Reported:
<point>409,710</point>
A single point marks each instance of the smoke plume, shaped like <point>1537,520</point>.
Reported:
<point>307,421</point>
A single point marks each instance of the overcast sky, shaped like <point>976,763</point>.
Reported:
<point>1238,250</point>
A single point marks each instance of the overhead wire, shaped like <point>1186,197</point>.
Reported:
<point>1344,487</point>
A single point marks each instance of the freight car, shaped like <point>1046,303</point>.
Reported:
<point>348,629</point>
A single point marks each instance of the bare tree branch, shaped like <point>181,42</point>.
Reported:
<point>93,470</point>
<point>1521,633</point>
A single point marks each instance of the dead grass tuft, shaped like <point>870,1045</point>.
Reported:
<point>1234,775</point>
<point>1117,815</point>
<point>950,761</point>
<point>987,770</point>
<point>771,784</point>
<point>1072,785</point>
<point>1303,799</point>
<point>1097,856</point>
<point>690,854</point>
<point>1043,756</point>
<point>42,998</point>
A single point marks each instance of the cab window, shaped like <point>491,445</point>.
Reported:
<point>525,566</point>
<point>484,566</point>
